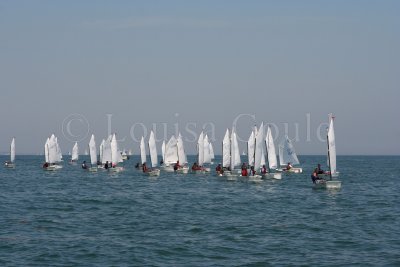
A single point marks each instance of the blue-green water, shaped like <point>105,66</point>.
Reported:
<point>75,218</point>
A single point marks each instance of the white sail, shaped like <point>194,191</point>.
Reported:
<point>226,150</point>
<point>171,151</point>
<point>92,151</point>
<point>52,150</point>
<point>287,153</point>
<point>331,148</point>
<point>181,151</point>
<point>163,150</point>
<point>250,148</point>
<point>262,158</point>
<point>75,152</point>
<point>200,149</point>
<point>115,154</point>
<point>46,150</point>
<point>235,155</point>
<point>153,150</point>
<point>58,149</point>
<point>130,152</point>
<point>271,152</point>
<point>12,150</point>
<point>206,150</point>
<point>211,148</point>
<point>142,151</point>
<point>107,151</point>
<point>259,147</point>
<point>101,147</point>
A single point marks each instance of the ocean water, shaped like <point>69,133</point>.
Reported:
<point>76,218</point>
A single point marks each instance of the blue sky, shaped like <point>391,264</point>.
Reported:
<point>191,63</point>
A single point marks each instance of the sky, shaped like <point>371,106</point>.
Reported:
<point>74,68</point>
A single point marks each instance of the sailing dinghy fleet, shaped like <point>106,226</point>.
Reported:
<point>262,159</point>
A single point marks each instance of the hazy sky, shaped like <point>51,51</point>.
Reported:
<point>190,64</point>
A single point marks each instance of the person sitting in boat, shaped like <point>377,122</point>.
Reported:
<point>144,167</point>
<point>7,163</point>
<point>263,169</point>
<point>252,171</point>
<point>45,165</point>
<point>314,176</point>
<point>84,166</point>
<point>219,169</point>
<point>288,166</point>
<point>176,166</point>
<point>161,162</point>
<point>106,166</point>
<point>244,170</point>
<point>196,167</point>
<point>320,171</point>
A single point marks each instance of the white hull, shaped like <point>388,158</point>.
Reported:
<point>169,168</point>
<point>116,169</point>
<point>331,184</point>
<point>229,176</point>
<point>53,167</point>
<point>183,170</point>
<point>153,172</point>
<point>275,175</point>
<point>255,178</point>
<point>93,169</point>
<point>292,170</point>
<point>9,165</point>
<point>327,176</point>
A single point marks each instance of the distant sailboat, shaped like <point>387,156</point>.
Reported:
<point>212,155</point>
<point>202,155</point>
<point>115,155</point>
<point>11,164</point>
<point>75,154</point>
<point>271,156</point>
<point>287,154</point>
<point>153,156</point>
<point>333,173</point>
<point>170,154</point>
<point>230,156</point>
<point>52,153</point>
<point>93,154</point>
<point>257,154</point>
<point>183,163</point>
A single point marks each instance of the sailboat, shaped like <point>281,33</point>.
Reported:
<point>201,156</point>
<point>153,156</point>
<point>52,154</point>
<point>257,148</point>
<point>183,163</point>
<point>170,154</point>
<point>105,152</point>
<point>271,156</point>
<point>74,154</point>
<point>206,153</point>
<point>212,155</point>
<point>230,156</point>
<point>115,155</point>
<point>11,164</point>
<point>333,173</point>
<point>287,155</point>
<point>93,154</point>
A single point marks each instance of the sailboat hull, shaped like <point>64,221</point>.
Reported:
<point>53,168</point>
<point>154,172</point>
<point>183,170</point>
<point>331,184</point>
<point>276,175</point>
<point>9,165</point>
